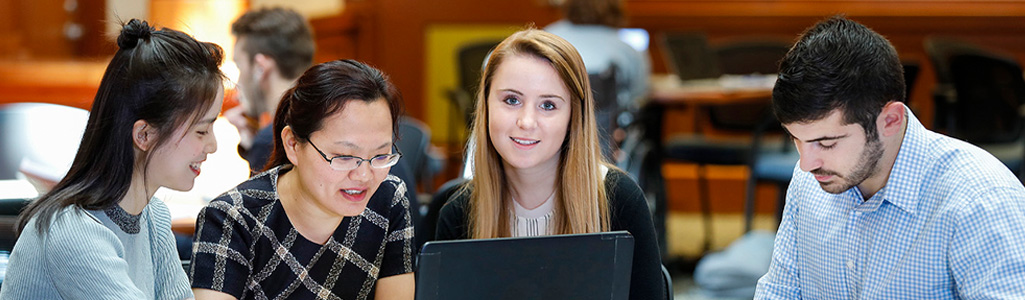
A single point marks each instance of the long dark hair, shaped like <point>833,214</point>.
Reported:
<point>323,90</point>
<point>164,77</point>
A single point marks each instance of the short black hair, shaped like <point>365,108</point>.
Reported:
<point>838,64</point>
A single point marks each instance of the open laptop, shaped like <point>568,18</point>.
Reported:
<point>573,266</point>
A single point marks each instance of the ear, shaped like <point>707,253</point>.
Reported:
<point>262,64</point>
<point>288,139</point>
<point>143,135</point>
<point>891,120</point>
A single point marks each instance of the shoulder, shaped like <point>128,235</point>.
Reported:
<point>559,26</point>
<point>457,204</point>
<point>74,230</point>
<point>159,213</point>
<point>265,135</point>
<point>962,167</point>
<point>393,188</point>
<point>619,184</point>
<point>460,199</point>
<point>73,218</point>
<point>252,194</point>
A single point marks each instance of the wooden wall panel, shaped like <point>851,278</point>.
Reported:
<point>395,41</point>
<point>394,33</point>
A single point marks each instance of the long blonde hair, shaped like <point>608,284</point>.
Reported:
<point>581,204</point>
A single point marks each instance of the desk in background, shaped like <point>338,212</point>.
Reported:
<point>682,107</point>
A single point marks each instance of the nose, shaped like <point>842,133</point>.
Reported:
<point>211,144</point>
<point>809,159</point>
<point>526,119</point>
<point>362,173</point>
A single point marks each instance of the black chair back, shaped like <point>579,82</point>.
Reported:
<point>759,56</point>
<point>990,97</point>
<point>689,56</point>
<point>749,56</point>
<point>471,61</point>
<point>429,223</point>
<point>911,69</point>
<point>413,140</point>
<point>606,108</point>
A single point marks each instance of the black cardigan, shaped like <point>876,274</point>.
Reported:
<point>628,211</point>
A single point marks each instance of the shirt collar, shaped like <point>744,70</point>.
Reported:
<point>901,187</point>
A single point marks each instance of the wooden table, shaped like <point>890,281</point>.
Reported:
<point>685,103</point>
<point>669,90</point>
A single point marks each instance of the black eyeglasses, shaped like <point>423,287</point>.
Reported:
<point>349,162</point>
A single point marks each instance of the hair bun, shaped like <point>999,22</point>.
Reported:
<point>132,32</point>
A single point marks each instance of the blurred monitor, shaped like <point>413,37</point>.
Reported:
<point>635,37</point>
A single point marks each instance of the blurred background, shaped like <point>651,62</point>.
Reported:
<point>712,65</point>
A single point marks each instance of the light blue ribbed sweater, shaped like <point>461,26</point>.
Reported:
<point>84,255</point>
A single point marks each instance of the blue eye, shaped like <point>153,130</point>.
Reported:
<point>548,105</point>
<point>511,100</point>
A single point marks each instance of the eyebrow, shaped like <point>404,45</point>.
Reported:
<point>208,121</point>
<point>354,146</point>
<point>827,138</point>
<point>543,96</point>
<point>553,96</point>
<point>511,91</point>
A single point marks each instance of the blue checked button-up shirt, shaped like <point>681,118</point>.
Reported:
<point>949,224</point>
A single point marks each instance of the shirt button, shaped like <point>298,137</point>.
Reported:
<point>850,264</point>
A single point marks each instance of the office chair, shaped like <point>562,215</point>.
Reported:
<point>415,143</point>
<point>689,56</point>
<point>606,107</point>
<point>989,105</point>
<point>751,56</point>
<point>911,69</point>
<point>430,220</point>
<point>669,283</point>
<point>755,118</point>
<point>940,49</point>
<point>981,100</point>
<point>471,61</point>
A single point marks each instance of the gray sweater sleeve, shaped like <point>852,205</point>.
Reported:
<point>171,282</point>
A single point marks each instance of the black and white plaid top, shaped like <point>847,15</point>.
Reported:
<point>245,245</point>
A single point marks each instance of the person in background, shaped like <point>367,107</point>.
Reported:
<point>537,168</point>
<point>328,221</point>
<point>273,46</point>
<point>592,27</point>
<point>99,233</point>
<point>879,206</point>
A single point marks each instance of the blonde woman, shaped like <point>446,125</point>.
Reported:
<point>538,167</point>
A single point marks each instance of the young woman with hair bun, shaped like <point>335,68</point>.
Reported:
<point>99,233</point>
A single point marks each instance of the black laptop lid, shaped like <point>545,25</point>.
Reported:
<point>573,266</point>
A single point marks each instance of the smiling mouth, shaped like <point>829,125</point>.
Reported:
<point>195,167</point>
<point>525,142</point>
<point>354,192</point>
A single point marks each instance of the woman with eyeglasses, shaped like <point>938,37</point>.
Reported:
<point>327,222</point>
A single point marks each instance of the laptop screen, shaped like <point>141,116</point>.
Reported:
<point>573,266</point>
